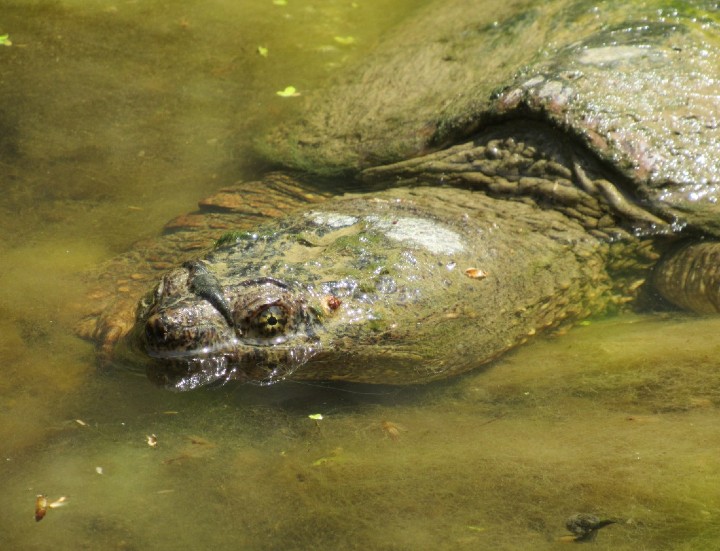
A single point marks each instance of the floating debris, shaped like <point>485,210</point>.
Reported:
<point>152,440</point>
<point>476,273</point>
<point>81,422</point>
<point>584,526</point>
<point>289,92</point>
<point>345,40</point>
<point>42,506</point>
<point>262,51</point>
<point>280,2</point>
<point>99,470</point>
<point>5,40</point>
<point>316,416</point>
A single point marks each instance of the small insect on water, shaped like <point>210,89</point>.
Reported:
<point>42,505</point>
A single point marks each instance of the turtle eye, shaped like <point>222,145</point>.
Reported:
<point>271,320</point>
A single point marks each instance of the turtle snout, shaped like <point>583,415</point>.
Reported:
<point>166,336</point>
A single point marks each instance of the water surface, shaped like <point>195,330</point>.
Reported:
<point>116,117</point>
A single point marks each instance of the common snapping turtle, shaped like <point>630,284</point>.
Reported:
<point>522,170</point>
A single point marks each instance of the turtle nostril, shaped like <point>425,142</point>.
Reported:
<point>155,329</point>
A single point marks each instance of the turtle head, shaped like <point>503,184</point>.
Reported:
<point>196,331</point>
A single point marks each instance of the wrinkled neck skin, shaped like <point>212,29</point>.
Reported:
<point>402,286</point>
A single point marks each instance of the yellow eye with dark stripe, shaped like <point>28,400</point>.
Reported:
<point>271,320</point>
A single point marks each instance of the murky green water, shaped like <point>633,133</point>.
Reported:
<point>115,117</point>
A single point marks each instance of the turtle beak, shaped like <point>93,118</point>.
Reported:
<point>206,286</point>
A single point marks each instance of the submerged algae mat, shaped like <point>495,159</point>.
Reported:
<point>619,418</point>
<point>118,116</point>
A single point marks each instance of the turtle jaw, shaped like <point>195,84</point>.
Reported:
<point>184,356</point>
<point>244,364</point>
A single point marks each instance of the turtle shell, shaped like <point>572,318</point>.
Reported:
<point>634,85</point>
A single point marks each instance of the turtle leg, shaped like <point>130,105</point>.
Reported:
<point>690,277</point>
